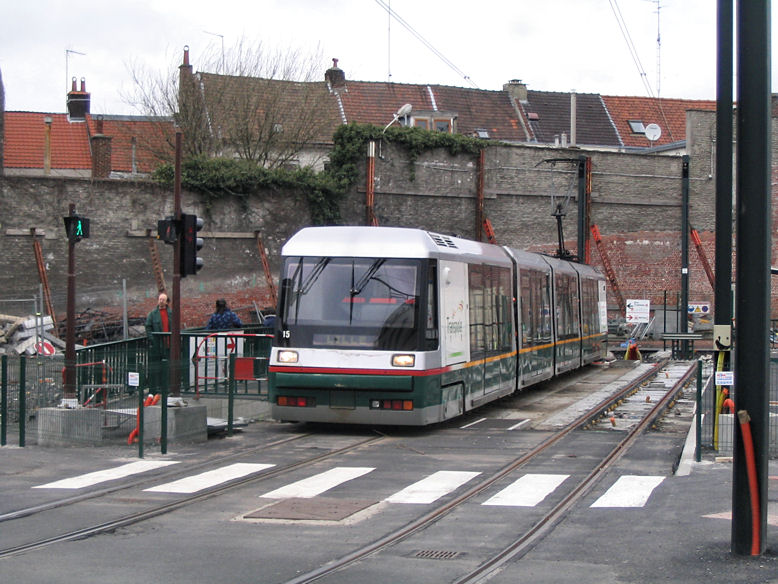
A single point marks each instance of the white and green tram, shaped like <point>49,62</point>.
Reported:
<point>386,325</point>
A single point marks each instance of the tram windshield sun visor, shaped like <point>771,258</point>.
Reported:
<point>353,303</point>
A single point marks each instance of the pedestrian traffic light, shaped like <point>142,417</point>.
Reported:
<point>76,227</point>
<point>167,229</point>
<point>190,244</point>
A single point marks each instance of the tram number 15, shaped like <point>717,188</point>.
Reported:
<point>286,334</point>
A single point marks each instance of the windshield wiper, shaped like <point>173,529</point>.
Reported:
<point>356,289</point>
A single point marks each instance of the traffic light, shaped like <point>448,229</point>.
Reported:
<point>77,228</point>
<point>167,229</point>
<point>190,244</point>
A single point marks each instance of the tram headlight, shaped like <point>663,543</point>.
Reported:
<point>287,356</point>
<point>403,360</point>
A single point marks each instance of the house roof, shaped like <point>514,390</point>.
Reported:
<point>135,141</point>
<point>376,102</point>
<point>548,115</point>
<point>668,114</point>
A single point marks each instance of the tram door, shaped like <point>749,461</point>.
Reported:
<point>454,338</point>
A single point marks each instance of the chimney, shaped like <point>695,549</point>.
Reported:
<point>335,77</point>
<point>101,151</point>
<point>78,102</point>
<point>2,123</point>
<point>516,89</point>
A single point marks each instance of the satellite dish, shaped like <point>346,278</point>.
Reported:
<point>653,131</point>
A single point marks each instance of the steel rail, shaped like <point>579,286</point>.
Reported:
<point>546,524</point>
<point>437,513</point>
<point>172,506</point>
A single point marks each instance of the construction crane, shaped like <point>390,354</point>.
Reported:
<point>609,269</point>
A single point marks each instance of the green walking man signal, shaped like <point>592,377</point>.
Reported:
<point>77,228</point>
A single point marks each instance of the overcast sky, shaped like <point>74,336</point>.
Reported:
<point>552,45</point>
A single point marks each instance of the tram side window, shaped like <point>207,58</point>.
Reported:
<point>567,306</point>
<point>476,296</point>
<point>590,315</point>
<point>535,308</point>
<point>490,308</point>
<point>528,324</point>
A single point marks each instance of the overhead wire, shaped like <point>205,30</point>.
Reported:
<point>425,42</point>
<point>636,59</point>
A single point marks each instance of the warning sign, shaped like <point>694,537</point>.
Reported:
<point>45,348</point>
<point>638,311</point>
<point>699,308</point>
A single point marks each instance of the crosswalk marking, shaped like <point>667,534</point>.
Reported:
<point>211,478</point>
<point>317,484</point>
<point>629,491</point>
<point>432,488</point>
<point>527,491</point>
<point>101,476</point>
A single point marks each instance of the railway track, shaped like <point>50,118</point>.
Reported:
<point>413,531</point>
<point>523,542</point>
<point>161,509</point>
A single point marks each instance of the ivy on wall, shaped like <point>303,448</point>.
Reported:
<point>216,178</point>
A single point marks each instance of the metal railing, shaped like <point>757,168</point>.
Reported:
<point>111,375</point>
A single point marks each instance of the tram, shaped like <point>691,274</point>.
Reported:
<point>398,326</point>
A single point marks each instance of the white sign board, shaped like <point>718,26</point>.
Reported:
<point>725,378</point>
<point>638,311</point>
<point>133,379</point>
<point>699,308</point>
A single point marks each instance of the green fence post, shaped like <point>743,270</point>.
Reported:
<point>3,399</point>
<point>698,416</point>
<point>140,421</point>
<point>22,398</point>
<point>231,394</point>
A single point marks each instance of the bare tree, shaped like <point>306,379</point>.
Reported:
<point>262,105</point>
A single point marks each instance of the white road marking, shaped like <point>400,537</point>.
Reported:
<point>432,488</point>
<point>527,491</point>
<point>211,478</point>
<point>519,425</point>
<point>472,423</point>
<point>101,476</point>
<point>629,491</point>
<point>319,483</point>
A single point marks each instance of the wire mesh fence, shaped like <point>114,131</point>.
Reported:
<point>112,380</point>
<point>718,416</point>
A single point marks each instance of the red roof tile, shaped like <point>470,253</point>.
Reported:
<point>25,139</point>
<point>668,114</point>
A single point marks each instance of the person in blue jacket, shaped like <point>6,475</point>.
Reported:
<point>223,318</point>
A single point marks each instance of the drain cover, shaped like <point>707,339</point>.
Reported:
<point>315,509</point>
<point>435,555</point>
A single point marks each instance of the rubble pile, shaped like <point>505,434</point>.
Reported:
<point>36,335</point>
<point>28,334</point>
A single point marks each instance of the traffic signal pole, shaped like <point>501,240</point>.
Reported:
<point>69,393</point>
<point>175,334</point>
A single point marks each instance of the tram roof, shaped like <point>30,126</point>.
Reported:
<point>392,242</point>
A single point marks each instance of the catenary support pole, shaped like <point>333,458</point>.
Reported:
<point>752,309</point>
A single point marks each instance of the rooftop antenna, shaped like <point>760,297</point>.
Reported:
<point>67,59</point>
<point>389,43</point>
<point>221,36</point>
<point>658,46</point>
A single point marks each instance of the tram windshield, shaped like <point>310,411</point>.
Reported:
<point>351,303</point>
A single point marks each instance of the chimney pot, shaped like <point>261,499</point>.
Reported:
<point>186,55</point>
<point>335,76</point>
